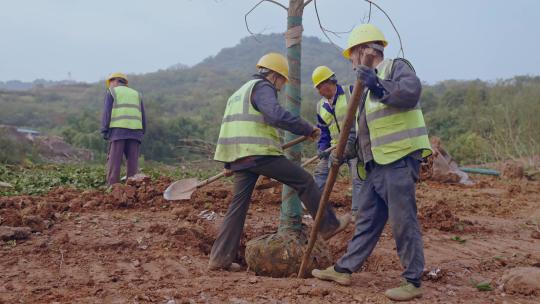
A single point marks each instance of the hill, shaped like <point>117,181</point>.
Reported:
<point>475,118</point>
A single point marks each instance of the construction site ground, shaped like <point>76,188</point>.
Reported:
<point>129,245</point>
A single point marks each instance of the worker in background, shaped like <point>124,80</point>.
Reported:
<point>249,145</point>
<point>392,140</point>
<point>123,125</point>
<point>331,110</point>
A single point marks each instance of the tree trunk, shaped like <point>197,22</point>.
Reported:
<point>291,208</point>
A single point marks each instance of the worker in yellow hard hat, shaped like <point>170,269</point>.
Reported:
<point>249,145</point>
<point>392,140</point>
<point>123,125</point>
<point>331,110</point>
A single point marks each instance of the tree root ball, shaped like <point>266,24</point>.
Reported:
<point>280,254</point>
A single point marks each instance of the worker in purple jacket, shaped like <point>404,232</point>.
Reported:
<point>123,124</point>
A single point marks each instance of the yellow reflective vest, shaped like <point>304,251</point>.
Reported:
<point>126,111</point>
<point>334,120</point>
<point>243,130</point>
<point>394,132</point>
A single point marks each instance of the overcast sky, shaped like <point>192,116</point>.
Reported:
<point>458,39</point>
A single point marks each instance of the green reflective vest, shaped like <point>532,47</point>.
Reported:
<point>243,130</point>
<point>394,132</point>
<point>126,110</point>
<point>334,120</point>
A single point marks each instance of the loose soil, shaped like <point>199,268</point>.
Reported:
<point>128,245</point>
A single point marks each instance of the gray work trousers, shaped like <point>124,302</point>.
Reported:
<point>117,149</point>
<point>226,245</point>
<point>388,193</point>
<point>321,175</point>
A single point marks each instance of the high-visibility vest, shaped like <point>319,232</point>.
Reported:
<point>126,110</point>
<point>394,132</point>
<point>243,129</point>
<point>334,120</point>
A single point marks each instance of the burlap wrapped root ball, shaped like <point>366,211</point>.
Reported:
<point>280,255</point>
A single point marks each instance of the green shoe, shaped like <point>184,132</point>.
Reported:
<point>329,274</point>
<point>405,292</point>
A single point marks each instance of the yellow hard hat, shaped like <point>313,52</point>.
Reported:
<point>320,74</point>
<point>363,34</point>
<point>275,62</point>
<point>115,75</point>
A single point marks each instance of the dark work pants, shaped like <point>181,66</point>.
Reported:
<point>117,149</point>
<point>388,193</point>
<point>281,169</point>
<point>323,169</point>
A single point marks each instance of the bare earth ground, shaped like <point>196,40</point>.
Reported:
<point>131,246</point>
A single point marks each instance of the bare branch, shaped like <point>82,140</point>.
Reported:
<point>391,22</point>
<point>324,30</point>
<point>306,3</point>
<point>253,8</point>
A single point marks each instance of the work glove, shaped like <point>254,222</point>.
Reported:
<point>369,78</point>
<point>227,172</point>
<point>315,134</point>
<point>323,154</point>
<point>105,135</point>
<point>350,150</point>
<point>334,160</point>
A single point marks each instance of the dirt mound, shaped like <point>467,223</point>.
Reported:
<point>441,167</point>
<point>438,216</point>
<point>50,148</point>
<point>513,170</point>
<point>522,280</point>
<point>40,212</point>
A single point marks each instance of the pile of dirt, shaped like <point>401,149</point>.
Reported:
<point>513,170</point>
<point>40,212</point>
<point>442,167</point>
<point>522,280</point>
<point>438,216</point>
<point>49,148</point>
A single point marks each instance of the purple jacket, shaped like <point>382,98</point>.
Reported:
<point>113,134</point>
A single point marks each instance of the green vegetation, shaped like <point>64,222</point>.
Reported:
<point>39,179</point>
<point>477,121</point>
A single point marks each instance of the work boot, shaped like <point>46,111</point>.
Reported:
<point>343,220</point>
<point>330,274</point>
<point>233,267</point>
<point>405,292</point>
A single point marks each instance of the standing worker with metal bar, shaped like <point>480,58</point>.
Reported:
<point>249,145</point>
<point>392,140</point>
<point>331,110</point>
<point>123,124</point>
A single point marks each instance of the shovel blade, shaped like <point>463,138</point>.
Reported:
<point>181,190</point>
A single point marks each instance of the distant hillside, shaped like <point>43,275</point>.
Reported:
<point>188,102</point>
<point>16,85</point>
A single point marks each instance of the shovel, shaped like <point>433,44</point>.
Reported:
<point>183,189</point>
<point>273,183</point>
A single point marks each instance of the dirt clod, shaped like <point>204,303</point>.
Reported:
<point>522,280</point>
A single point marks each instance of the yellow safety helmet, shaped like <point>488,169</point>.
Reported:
<point>363,34</point>
<point>320,74</point>
<point>115,75</point>
<point>275,62</point>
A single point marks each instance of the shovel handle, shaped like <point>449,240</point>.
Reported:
<point>294,142</point>
<point>210,180</point>
<point>314,158</point>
